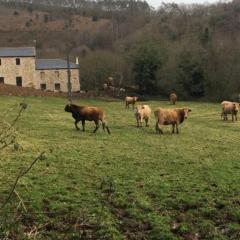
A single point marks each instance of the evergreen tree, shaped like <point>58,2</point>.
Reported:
<point>191,75</point>
<point>146,63</point>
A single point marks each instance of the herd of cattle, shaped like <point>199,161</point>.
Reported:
<point>163,116</point>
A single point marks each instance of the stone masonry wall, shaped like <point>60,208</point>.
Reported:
<point>9,70</point>
<point>53,76</point>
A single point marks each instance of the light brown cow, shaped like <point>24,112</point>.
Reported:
<point>172,117</point>
<point>229,108</point>
<point>130,100</point>
<point>142,112</point>
<point>173,98</point>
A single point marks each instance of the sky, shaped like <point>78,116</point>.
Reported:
<point>156,3</point>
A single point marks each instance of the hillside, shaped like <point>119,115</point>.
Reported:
<point>193,49</point>
<point>21,27</point>
<point>23,20</point>
<point>91,26</point>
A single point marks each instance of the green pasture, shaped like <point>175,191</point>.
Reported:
<point>132,184</point>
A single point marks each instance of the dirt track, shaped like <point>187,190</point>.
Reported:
<point>10,90</point>
<point>26,91</point>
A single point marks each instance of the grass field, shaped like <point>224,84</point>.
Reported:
<point>133,184</point>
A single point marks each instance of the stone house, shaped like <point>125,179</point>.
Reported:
<point>19,66</point>
<point>52,74</point>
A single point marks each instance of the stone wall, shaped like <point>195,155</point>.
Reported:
<point>34,78</point>
<point>9,70</point>
<point>57,76</point>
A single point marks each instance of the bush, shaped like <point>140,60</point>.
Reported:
<point>46,18</point>
<point>95,18</point>
<point>15,13</point>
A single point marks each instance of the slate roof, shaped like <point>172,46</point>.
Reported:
<point>17,52</point>
<point>45,64</point>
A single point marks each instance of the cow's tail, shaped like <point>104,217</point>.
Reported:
<point>157,126</point>
<point>104,125</point>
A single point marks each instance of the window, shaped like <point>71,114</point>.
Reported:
<point>42,75</point>
<point>19,81</point>
<point>57,87</point>
<point>43,86</point>
<point>57,74</point>
<point>1,80</point>
<point>18,61</point>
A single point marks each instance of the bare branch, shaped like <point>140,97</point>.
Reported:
<point>23,106</point>
<point>8,132</point>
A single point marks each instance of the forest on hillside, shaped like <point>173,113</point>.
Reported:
<point>193,50</point>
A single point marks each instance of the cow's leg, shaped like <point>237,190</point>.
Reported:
<point>97,126</point>
<point>146,121</point>
<point>173,128</point>
<point>103,125</point>
<point>158,128</point>
<point>141,121</point>
<point>76,122</point>
<point>177,128</point>
<point>138,122</point>
<point>83,125</point>
<point>235,116</point>
<point>108,130</point>
<point>224,116</point>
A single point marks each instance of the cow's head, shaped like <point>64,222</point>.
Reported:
<point>68,108</point>
<point>135,99</point>
<point>186,110</point>
<point>236,107</point>
<point>139,111</point>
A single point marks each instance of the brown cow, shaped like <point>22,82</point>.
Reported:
<point>170,116</point>
<point>229,108</point>
<point>173,98</point>
<point>87,113</point>
<point>130,100</point>
<point>143,112</point>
